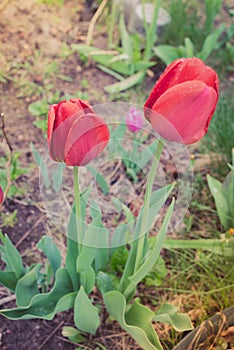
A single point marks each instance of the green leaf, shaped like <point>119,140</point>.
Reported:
<point>102,57</point>
<point>73,334</point>
<point>188,48</point>
<point>220,201</point>
<point>42,165</point>
<point>14,258</point>
<point>215,246</point>
<point>38,108</point>
<point>123,85</point>
<point>46,305</point>
<point>8,279</point>
<point>86,316</point>
<point>57,176</point>
<point>104,282</point>
<point>27,286</point>
<point>126,41</point>
<point>166,53</point>
<point>72,245</point>
<point>110,72</point>
<point>100,179</point>
<point>51,251</point>
<point>135,319</point>
<point>87,279</point>
<point>167,313</point>
<point>210,42</point>
<point>153,256</point>
<point>228,193</point>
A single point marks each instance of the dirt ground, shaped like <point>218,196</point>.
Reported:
<point>32,33</point>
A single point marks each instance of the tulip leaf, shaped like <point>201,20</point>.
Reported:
<point>110,72</point>
<point>72,244</point>
<point>51,251</point>
<point>57,176</point>
<point>153,255</point>
<point>46,305</point>
<point>210,42</point>
<point>13,257</point>
<point>86,316</point>
<point>27,286</point>
<point>8,279</point>
<point>167,313</point>
<point>40,162</point>
<point>102,57</point>
<point>135,319</point>
<point>123,85</point>
<point>99,179</point>
<point>73,334</point>
<point>104,282</point>
<point>87,279</point>
<point>126,42</point>
<point>158,199</point>
<point>215,187</point>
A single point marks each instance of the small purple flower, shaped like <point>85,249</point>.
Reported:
<point>134,120</point>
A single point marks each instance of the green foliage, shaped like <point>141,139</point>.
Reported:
<point>168,53</point>
<point>168,313</point>
<point>51,2</point>
<point>137,319</point>
<point>15,169</point>
<point>219,138</point>
<point>85,314</point>
<point>39,109</point>
<point>223,194</point>
<point>129,61</point>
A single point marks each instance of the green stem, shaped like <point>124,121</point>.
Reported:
<point>145,217</point>
<point>77,207</point>
<point>137,248</point>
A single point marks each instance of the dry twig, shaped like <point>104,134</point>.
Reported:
<point>8,163</point>
<point>94,20</point>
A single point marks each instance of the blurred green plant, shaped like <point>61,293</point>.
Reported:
<point>168,53</point>
<point>219,137</point>
<point>10,165</point>
<point>129,59</point>
<point>39,109</point>
<point>223,194</point>
<point>193,39</point>
<point>51,2</point>
<point>191,19</point>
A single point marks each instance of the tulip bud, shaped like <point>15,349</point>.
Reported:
<point>183,100</point>
<point>134,120</point>
<point>76,135</point>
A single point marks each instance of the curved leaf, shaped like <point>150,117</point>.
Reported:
<point>46,305</point>
<point>168,313</point>
<point>136,321</point>
<point>85,314</point>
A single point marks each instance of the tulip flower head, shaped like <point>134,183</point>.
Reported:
<point>1,195</point>
<point>183,100</point>
<point>76,135</point>
<point>134,120</point>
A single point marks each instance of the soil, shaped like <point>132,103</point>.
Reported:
<point>32,35</point>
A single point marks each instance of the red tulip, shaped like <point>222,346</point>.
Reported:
<point>76,134</point>
<point>1,195</point>
<point>183,100</point>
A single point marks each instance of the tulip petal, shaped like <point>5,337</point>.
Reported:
<point>187,108</point>
<point>87,138</point>
<point>60,120</point>
<point>179,71</point>
<point>51,117</point>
